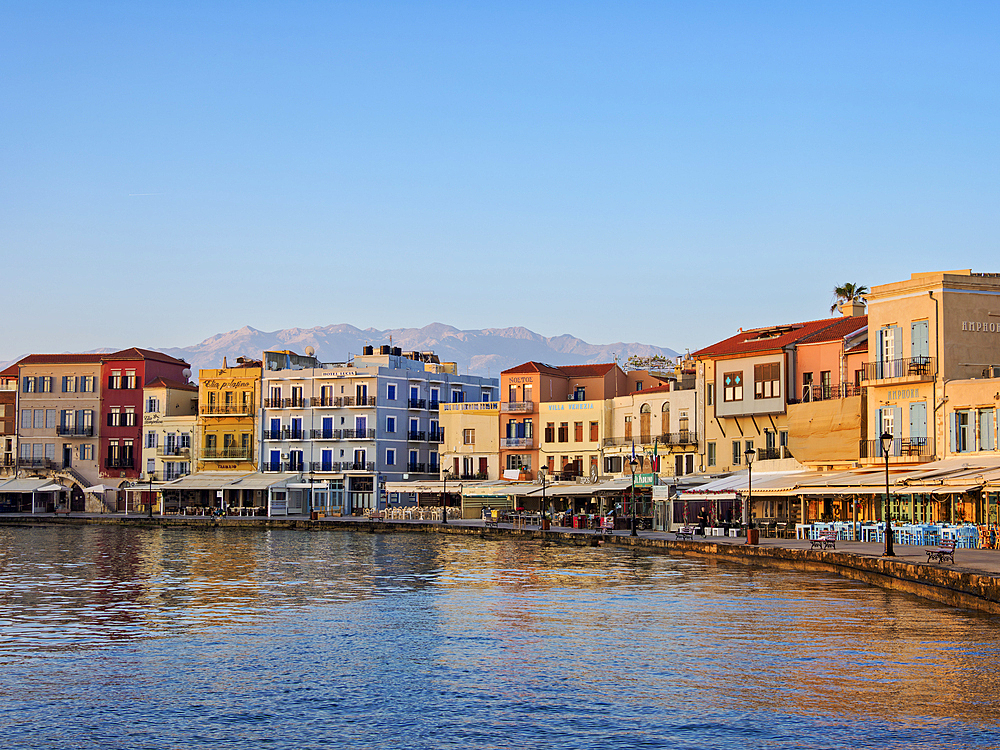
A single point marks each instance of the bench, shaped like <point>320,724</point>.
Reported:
<point>607,526</point>
<point>492,523</point>
<point>946,551</point>
<point>825,540</point>
<point>685,532</point>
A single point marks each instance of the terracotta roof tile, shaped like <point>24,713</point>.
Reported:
<point>137,353</point>
<point>655,389</point>
<point>769,339</point>
<point>588,371</point>
<point>173,384</point>
<point>61,359</point>
<point>837,331</point>
<point>535,367</point>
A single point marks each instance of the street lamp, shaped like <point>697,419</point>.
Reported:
<point>444,497</point>
<point>750,454</point>
<point>632,462</point>
<point>887,440</point>
<point>542,471</point>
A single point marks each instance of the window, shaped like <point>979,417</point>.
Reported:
<point>45,386</point>
<point>516,461</point>
<point>783,438</point>
<point>152,404</point>
<point>594,433</point>
<point>50,419</point>
<point>485,397</point>
<point>27,385</point>
<point>826,383</point>
<point>737,453</point>
<point>25,419</point>
<point>114,417</point>
<point>628,428</point>
<point>390,453</point>
<point>390,424</point>
<point>550,432</point>
<point>961,431</point>
<point>151,439</point>
<point>709,394</point>
<point>128,417</point>
<point>578,432</point>
<point>612,464</point>
<point>87,452</point>
<point>115,380</point>
<point>732,386</point>
<point>638,385</point>
<point>69,384</point>
<point>390,394</point>
<point>564,432</point>
<point>88,383</point>
<point>129,380</point>
<point>39,419</point>
<point>711,454</point>
<point>457,397</point>
<point>767,380</point>
<point>469,437</point>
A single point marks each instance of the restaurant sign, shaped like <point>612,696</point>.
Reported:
<point>646,480</point>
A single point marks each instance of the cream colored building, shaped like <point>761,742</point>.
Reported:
<point>662,420</point>
<point>471,434</point>
<point>169,424</point>
<point>572,433</point>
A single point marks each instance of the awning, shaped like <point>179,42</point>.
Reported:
<point>210,480</point>
<point>99,488</point>
<point>31,485</point>
<point>259,481</point>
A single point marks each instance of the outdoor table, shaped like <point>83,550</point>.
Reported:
<point>802,530</point>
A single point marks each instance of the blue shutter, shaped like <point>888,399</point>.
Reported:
<point>918,420</point>
<point>880,361</point>
<point>952,431</point>
<point>897,338</point>
<point>919,339</point>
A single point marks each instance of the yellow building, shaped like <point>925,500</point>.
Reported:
<point>228,404</point>
<point>572,434</point>
<point>471,447</point>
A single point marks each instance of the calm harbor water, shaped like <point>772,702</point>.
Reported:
<point>184,638</point>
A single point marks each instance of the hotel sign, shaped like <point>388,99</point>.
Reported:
<point>978,326</point>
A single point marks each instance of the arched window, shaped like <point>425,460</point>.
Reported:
<point>665,426</point>
<point>644,426</point>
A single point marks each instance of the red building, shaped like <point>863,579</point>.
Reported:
<point>124,374</point>
<point>8,419</point>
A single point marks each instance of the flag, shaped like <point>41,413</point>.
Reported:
<point>655,463</point>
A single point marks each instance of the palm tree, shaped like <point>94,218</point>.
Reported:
<point>848,293</point>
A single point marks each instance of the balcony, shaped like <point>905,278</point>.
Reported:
<point>330,434</point>
<point>416,435</point>
<point>418,403</point>
<point>434,405</point>
<point>324,466</point>
<point>37,463</point>
<point>118,462</point>
<point>473,476</point>
<point>772,454</point>
<point>909,369</point>
<point>286,403</point>
<point>416,468</point>
<point>324,401</point>
<point>517,406</point>
<point>173,451</point>
<point>683,437</point>
<point>237,452</point>
<point>831,392</point>
<point>211,409</point>
<point>903,450</point>
<point>75,430</point>
<point>517,442</point>
<point>352,401</point>
<point>357,434</point>
<point>293,434</point>
<point>357,466</point>
<point>436,437</point>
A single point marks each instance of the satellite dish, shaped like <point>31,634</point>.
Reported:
<point>310,351</point>
<point>593,475</point>
<point>186,372</point>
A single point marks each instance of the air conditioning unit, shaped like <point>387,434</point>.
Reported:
<point>284,456</point>
<point>993,371</point>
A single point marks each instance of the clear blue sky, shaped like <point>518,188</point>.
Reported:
<point>656,172</point>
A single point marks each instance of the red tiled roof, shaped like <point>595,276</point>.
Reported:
<point>654,389</point>
<point>61,359</point>
<point>172,384</point>
<point>777,337</point>
<point>859,348</point>
<point>843,327</point>
<point>588,371</point>
<point>535,367</point>
<point>563,371</point>
<point>137,353</point>
<point>10,372</point>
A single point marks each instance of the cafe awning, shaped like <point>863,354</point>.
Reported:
<point>22,486</point>
<point>206,480</point>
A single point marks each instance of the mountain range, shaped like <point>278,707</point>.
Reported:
<point>484,352</point>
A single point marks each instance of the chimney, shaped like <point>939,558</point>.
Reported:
<point>852,309</point>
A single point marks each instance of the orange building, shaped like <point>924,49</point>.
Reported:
<point>524,387</point>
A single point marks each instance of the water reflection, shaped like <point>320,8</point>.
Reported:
<point>229,637</point>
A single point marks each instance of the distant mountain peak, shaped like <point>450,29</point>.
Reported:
<point>483,352</point>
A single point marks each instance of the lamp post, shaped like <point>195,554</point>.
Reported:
<point>749,454</point>
<point>542,471</point>
<point>887,440</point>
<point>444,497</point>
<point>632,464</point>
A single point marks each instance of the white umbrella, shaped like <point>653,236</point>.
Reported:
<point>97,488</point>
<point>51,488</point>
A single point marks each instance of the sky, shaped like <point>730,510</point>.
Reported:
<point>624,171</point>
